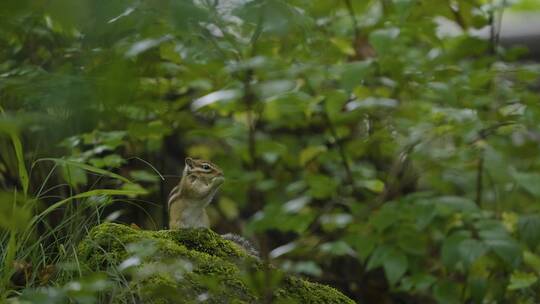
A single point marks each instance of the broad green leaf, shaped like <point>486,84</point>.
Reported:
<point>75,176</point>
<point>144,176</point>
<point>355,73</point>
<point>507,249</point>
<point>305,267</point>
<point>343,45</point>
<point>412,241</point>
<point>419,282</point>
<point>456,203</point>
<point>496,237</point>
<point>272,88</point>
<point>321,186</point>
<point>447,292</point>
<point>470,250</point>
<point>532,260</point>
<point>363,244</point>
<point>336,221</point>
<point>15,212</point>
<point>374,185</point>
<point>296,205</point>
<point>378,256</point>
<point>477,287</point>
<point>383,39</point>
<point>385,217</point>
<point>521,280</point>
<point>310,153</point>
<point>529,229</point>
<point>450,252</point>
<point>229,208</point>
<point>337,248</point>
<point>218,96</point>
<point>372,103</point>
<point>395,265</point>
<point>528,181</point>
<point>146,44</point>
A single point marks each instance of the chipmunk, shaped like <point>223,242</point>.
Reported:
<point>199,183</point>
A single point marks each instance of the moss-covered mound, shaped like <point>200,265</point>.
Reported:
<point>190,266</point>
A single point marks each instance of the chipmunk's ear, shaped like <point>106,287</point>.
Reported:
<point>189,163</point>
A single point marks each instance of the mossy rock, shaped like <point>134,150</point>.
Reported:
<point>190,266</point>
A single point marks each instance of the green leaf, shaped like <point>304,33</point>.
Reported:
<point>144,45</point>
<point>521,280</point>
<point>532,260</point>
<point>383,40</point>
<point>470,250</point>
<point>337,248</point>
<point>363,244</point>
<point>477,287</point>
<point>335,221</point>
<point>456,203</point>
<point>144,176</point>
<point>529,182</point>
<point>374,185</point>
<point>14,212</point>
<point>355,73</point>
<point>418,282</point>
<point>75,176</point>
<point>412,241</point>
<point>450,252</point>
<point>218,96</point>
<point>395,265</point>
<point>296,205</point>
<point>272,88</point>
<point>496,237</point>
<point>321,186</point>
<point>310,153</point>
<point>385,217</point>
<point>276,216</point>
<point>507,249</point>
<point>447,292</point>
<point>425,213</point>
<point>113,161</point>
<point>229,208</point>
<point>306,267</point>
<point>378,257</point>
<point>529,229</point>
<point>344,45</point>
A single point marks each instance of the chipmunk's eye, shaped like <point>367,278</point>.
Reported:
<point>205,166</point>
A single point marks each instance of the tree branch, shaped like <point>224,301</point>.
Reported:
<point>458,18</point>
<point>341,150</point>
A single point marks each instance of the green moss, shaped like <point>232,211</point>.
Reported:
<point>185,266</point>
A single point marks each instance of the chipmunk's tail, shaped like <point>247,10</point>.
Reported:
<point>242,242</point>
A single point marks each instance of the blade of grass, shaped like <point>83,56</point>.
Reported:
<point>23,174</point>
<point>86,167</point>
<point>95,192</point>
<point>11,130</point>
<point>10,252</point>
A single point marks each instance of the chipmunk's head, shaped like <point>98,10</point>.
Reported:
<point>201,178</point>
